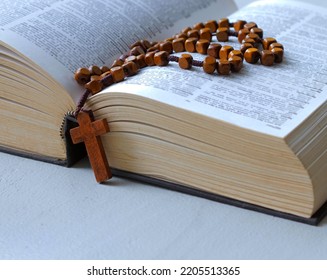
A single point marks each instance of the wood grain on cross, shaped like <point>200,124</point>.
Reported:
<point>89,132</point>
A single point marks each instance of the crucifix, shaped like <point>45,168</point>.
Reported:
<point>89,132</point>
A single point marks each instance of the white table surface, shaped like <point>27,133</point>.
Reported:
<point>52,212</point>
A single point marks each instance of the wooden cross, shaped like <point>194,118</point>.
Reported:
<point>89,132</point>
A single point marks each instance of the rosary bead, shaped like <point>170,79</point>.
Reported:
<point>185,61</point>
<point>161,58</point>
<point>149,58</point>
<point>250,25</point>
<point>212,25</point>
<point>245,46</point>
<point>95,77</point>
<point>95,70</point>
<point>186,29</point>
<point>223,22</point>
<point>166,46</point>
<point>238,25</point>
<point>267,42</point>
<point>278,54</point>
<point>242,34</point>
<point>145,44</point>
<point>194,33</point>
<point>236,63</point>
<point>117,62</point>
<point>235,53</point>
<point>118,74</point>
<point>104,68</point>
<point>205,34</point>
<point>107,80</point>
<point>130,58</point>
<point>82,76</point>
<point>105,74</point>
<point>252,55</point>
<point>137,50</point>
<point>222,34</point>
<point>275,45</point>
<point>253,36</point>
<point>257,31</point>
<point>249,41</point>
<point>213,50</point>
<point>209,64</point>
<point>94,86</point>
<point>190,44</point>
<point>181,35</point>
<point>267,58</point>
<point>223,67</point>
<point>178,45</point>
<point>202,45</point>
<point>153,48</point>
<point>130,68</point>
<point>198,26</point>
<point>224,52</point>
<point>140,59</point>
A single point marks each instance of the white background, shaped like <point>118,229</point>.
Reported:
<point>51,212</point>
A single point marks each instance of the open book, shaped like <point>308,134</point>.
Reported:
<point>258,137</point>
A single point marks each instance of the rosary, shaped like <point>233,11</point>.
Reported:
<point>220,59</point>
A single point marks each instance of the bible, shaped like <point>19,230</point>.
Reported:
<point>256,139</point>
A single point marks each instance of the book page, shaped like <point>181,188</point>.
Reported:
<point>272,100</point>
<point>63,35</point>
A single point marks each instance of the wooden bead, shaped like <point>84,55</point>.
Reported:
<point>181,35</point>
<point>149,58</point>
<point>209,64</point>
<point>194,33</point>
<point>190,44</point>
<point>117,62</point>
<point>153,48</point>
<point>205,34</point>
<point>185,61</point>
<point>245,46</point>
<point>107,79</point>
<point>222,34</point>
<point>278,54</point>
<point>95,70</point>
<point>105,74</point>
<point>202,45</point>
<point>137,50</point>
<point>82,76</point>
<point>166,46</point>
<point>213,50</point>
<point>249,41</point>
<point>170,39</point>
<point>179,45</point>
<point>223,22</point>
<point>236,63</point>
<point>250,25</point>
<point>186,29</point>
<point>140,59</point>
<point>242,34</point>
<point>145,44</point>
<point>131,58</point>
<point>253,36</point>
<point>224,52</point>
<point>235,53</point>
<point>223,67</point>
<point>198,26</point>
<point>252,55</point>
<point>104,68</point>
<point>118,74</point>
<point>275,45</point>
<point>238,25</point>
<point>212,25</point>
<point>94,86</point>
<point>258,31</point>
<point>267,42</point>
<point>267,58</point>
<point>130,68</point>
<point>95,77</point>
<point>161,58</point>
